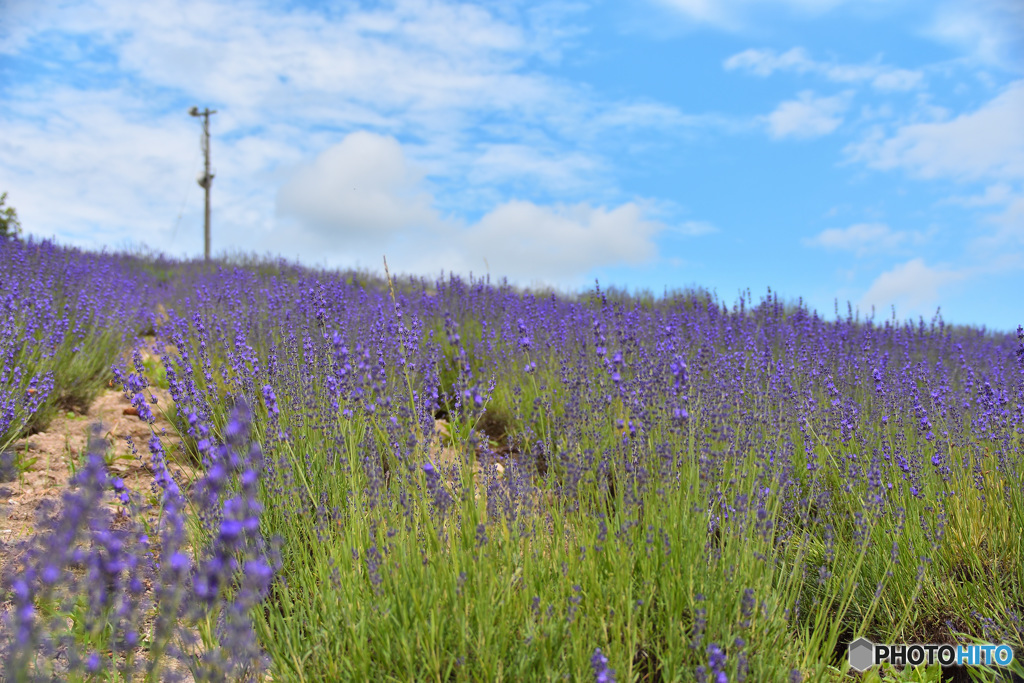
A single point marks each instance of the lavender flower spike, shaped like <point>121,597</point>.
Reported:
<point>602,673</point>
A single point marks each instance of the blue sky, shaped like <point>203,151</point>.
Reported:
<point>869,152</point>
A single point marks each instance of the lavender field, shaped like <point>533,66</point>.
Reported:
<point>452,480</point>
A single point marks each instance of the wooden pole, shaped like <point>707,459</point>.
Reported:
<point>206,180</point>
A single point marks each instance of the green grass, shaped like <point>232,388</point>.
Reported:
<point>328,621</point>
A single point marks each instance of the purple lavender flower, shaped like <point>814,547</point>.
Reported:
<point>599,663</point>
<point>716,662</point>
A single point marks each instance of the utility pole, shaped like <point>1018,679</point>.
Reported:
<point>206,179</point>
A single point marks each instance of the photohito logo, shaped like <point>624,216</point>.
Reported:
<point>864,654</point>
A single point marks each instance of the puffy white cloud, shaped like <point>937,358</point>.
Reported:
<point>361,198</point>
<point>864,238</point>
<point>987,143</point>
<point>807,116</point>
<point>912,286</point>
<point>561,243</point>
<point>766,62</point>
<point>362,189</point>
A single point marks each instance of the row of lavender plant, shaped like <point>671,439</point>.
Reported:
<point>65,317</point>
<point>689,492</point>
<point>91,599</point>
<point>824,438</point>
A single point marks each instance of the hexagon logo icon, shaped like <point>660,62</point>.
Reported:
<point>860,654</point>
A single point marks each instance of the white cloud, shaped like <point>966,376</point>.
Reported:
<point>864,238</point>
<point>1008,218</point>
<point>504,162</point>
<point>361,189</point>
<point>807,116</point>
<point>897,79</point>
<point>1010,221</point>
<point>994,195</point>
<point>705,12</point>
<point>912,286</point>
<point>361,198</point>
<point>560,243</point>
<point>990,31</point>
<point>96,166</point>
<point>766,62</point>
<point>734,15</point>
<point>984,144</point>
<point>695,228</point>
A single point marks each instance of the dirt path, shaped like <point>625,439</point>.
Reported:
<point>62,449</point>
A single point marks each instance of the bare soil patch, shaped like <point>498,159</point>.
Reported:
<point>62,449</point>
